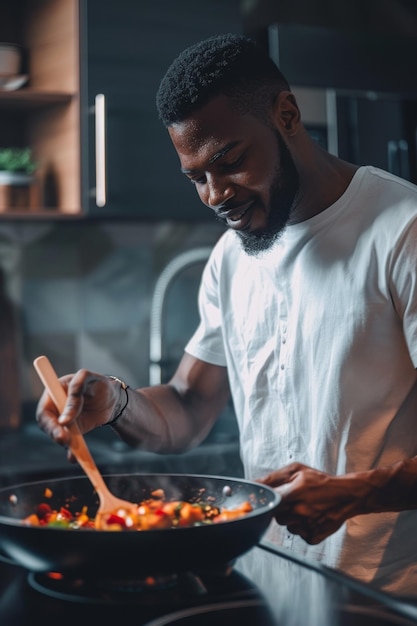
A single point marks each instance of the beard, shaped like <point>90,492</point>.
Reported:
<point>281,199</point>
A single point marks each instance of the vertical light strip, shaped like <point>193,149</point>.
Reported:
<point>273,43</point>
<point>331,117</point>
<point>100,111</point>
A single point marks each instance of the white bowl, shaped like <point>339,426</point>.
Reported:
<point>15,178</point>
<point>9,59</point>
<point>11,83</point>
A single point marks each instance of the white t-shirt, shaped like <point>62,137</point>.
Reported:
<point>319,336</point>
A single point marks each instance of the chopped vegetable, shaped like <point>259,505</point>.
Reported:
<point>152,513</point>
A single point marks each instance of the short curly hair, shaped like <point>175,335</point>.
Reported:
<point>231,65</point>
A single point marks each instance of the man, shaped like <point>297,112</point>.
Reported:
<point>308,318</point>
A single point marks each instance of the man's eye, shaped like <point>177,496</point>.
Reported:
<point>234,164</point>
<point>198,181</point>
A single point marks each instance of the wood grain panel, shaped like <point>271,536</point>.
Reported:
<point>54,136</point>
<point>51,38</point>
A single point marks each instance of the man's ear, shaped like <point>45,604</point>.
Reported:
<point>286,113</point>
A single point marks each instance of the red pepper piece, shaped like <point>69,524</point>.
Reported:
<point>116,519</point>
<point>43,510</point>
<point>65,513</point>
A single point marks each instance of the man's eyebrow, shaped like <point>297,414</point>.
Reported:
<point>222,153</point>
<point>218,155</point>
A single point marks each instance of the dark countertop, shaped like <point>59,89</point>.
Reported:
<point>305,593</point>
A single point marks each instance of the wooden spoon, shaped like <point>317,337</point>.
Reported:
<point>108,502</point>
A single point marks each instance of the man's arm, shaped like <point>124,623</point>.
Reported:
<point>315,504</point>
<point>165,418</point>
<point>180,414</point>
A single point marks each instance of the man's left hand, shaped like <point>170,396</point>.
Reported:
<point>314,504</point>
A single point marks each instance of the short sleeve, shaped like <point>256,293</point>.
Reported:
<point>207,342</point>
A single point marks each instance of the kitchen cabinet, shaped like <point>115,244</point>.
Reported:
<point>88,109</point>
<point>129,46</point>
<point>353,61</point>
<point>367,87</point>
<point>44,113</point>
<point>379,130</point>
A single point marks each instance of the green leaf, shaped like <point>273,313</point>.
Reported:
<point>17,160</point>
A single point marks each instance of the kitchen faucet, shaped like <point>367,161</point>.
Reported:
<point>177,265</point>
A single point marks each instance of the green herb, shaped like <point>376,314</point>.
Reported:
<point>17,160</point>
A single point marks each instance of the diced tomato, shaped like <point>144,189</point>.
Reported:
<point>65,514</point>
<point>116,519</point>
<point>43,510</point>
<point>160,512</point>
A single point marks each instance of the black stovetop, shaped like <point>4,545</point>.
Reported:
<point>265,587</point>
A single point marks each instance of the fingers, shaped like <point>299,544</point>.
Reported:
<point>308,528</point>
<point>90,400</point>
<point>48,417</point>
<point>283,490</point>
<point>309,505</point>
<point>76,390</point>
<point>309,535</point>
<point>313,532</point>
<point>282,476</point>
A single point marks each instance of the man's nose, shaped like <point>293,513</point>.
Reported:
<point>219,192</point>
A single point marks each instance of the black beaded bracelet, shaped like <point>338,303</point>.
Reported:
<point>125,387</point>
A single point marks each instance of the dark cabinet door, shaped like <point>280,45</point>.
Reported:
<point>380,131</point>
<point>129,45</point>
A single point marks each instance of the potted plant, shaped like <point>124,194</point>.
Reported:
<point>16,166</point>
<point>17,179</point>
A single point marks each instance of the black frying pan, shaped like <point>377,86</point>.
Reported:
<point>132,553</point>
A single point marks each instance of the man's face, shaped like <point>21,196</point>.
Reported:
<point>242,170</point>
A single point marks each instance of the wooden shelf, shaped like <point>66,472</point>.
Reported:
<point>31,99</point>
<point>44,115</point>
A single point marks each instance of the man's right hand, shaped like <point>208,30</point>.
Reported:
<point>92,400</point>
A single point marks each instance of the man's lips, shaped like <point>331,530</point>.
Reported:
<point>237,218</point>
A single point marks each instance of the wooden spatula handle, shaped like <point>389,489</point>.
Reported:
<point>78,446</point>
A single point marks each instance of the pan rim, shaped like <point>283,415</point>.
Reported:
<point>262,510</point>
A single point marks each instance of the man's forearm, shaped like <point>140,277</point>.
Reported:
<point>159,420</point>
<point>391,488</point>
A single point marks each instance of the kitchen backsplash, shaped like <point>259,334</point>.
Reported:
<point>80,292</point>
